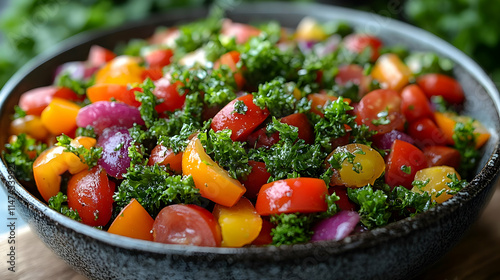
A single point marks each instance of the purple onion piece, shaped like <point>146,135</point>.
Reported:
<point>328,46</point>
<point>306,47</point>
<point>105,114</point>
<point>384,141</point>
<point>115,143</point>
<point>336,227</point>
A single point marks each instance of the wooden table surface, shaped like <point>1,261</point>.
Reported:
<point>476,257</point>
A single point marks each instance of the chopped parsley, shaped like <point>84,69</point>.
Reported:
<point>59,203</point>
<point>291,228</point>
<point>465,142</point>
<point>240,107</point>
<point>87,156</point>
<point>20,155</point>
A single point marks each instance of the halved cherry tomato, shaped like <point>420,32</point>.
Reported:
<point>305,195</point>
<point>159,58</point>
<point>60,116</point>
<point>318,100</point>
<point>240,124</point>
<point>447,122</point>
<point>264,237</point>
<point>99,56</point>
<point>153,73</point>
<point>353,73</point>
<point>186,225</point>
<point>34,101</point>
<point>437,184</point>
<point>402,164</point>
<point>239,224</point>
<point>241,32</point>
<point>442,155</point>
<point>213,182</point>
<point>391,72</point>
<point>414,103</point>
<point>133,221</point>
<point>231,59</point>
<point>166,157</point>
<point>381,110</point>
<point>441,85</point>
<point>106,92</point>
<point>343,203</point>
<point>426,133</point>
<point>256,179</point>
<point>169,95</point>
<point>359,42</point>
<point>309,29</point>
<point>90,193</point>
<point>122,70</point>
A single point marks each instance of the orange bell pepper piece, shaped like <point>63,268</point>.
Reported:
<point>51,163</point>
<point>60,116</point>
<point>122,70</point>
<point>447,121</point>
<point>133,221</point>
<point>239,224</point>
<point>391,72</point>
<point>231,60</point>
<point>213,182</point>
<point>31,125</point>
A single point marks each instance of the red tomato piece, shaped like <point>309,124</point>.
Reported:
<point>442,155</point>
<point>359,42</point>
<point>318,100</point>
<point>241,124</point>
<point>169,94</point>
<point>159,58</point>
<point>34,101</point>
<point>414,103</point>
<point>99,56</point>
<point>256,179</point>
<point>264,237</point>
<point>186,225</point>
<point>441,85</point>
<point>154,73</point>
<point>231,59</point>
<point>305,195</point>
<point>381,111</point>
<point>166,157</point>
<point>353,73</point>
<point>426,133</point>
<point>343,203</point>
<point>90,193</point>
<point>402,164</point>
<point>241,32</point>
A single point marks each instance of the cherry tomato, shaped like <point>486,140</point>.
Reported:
<point>426,133</point>
<point>359,42</point>
<point>437,184</point>
<point>353,73</point>
<point>153,73</point>
<point>381,110</point>
<point>318,100</point>
<point>159,58</point>
<point>256,179</point>
<point>241,32</point>
<point>186,225</point>
<point>305,195</point>
<point>309,29</point>
<point>90,193</point>
<point>166,157</point>
<point>414,103</point>
<point>241,124</point>
<point>169,95</point>
<point>99,56</point>
<point>391,72</point>
<point>34,101</point>
<point>231,59</point>
<point>343,203</point>
<point>442,155</point>
<point>441,85</point>
<point>402,164</point>
<point>264,237</point>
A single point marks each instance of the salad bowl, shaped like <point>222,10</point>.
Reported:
<point>397,251</point>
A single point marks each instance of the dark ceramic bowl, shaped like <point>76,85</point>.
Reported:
<point>398,251</point>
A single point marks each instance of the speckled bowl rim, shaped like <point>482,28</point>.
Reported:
<point>487,175</point>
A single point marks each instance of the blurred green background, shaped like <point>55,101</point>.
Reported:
<point>29,27</point>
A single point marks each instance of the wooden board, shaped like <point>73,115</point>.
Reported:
<point>476,257</point>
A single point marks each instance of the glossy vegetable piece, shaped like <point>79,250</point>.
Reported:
<point>31,125</point>
<point>166,157</point>
<point>427,133</point>
<point>104,114</point>
<point>241,125</point>
<point>231,60</point>
<point>108,92</point>
<point>99,56</point>
<point>380,110</point>
<point>264,237</point>
<point>305,195</point>
<point>441,85</point>
<point>353,73</point>
<point>122,70</point>
<point>310,30</point>
<point>442,155</point>
<point>60,116</point>
<point>169,95</point>
<point>115,143</point>
<point>133,221</point>
<point>318,100</point>
<point>90,193</point>
<point>186,225</point>
<point>358,43</point>
<point>51,163</point>
<point>240,31</point>
<point>256,179</point>
<point>391,72</point>
<point>403,163</point>
<point>385,141</point>
<point>414,103</point>
<point>239,224</point>
<point>34,101</point>
<point>213,182</point>
<point>447,121</point>
<point>159,58</point>
<point>344,203</point>
<point>436,187</point>
<point>336,227</point>
<point>360,165</point>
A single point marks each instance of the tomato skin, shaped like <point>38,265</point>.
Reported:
<point>378,102</point>
<point>403,154</point>
<point>106,92</point>
<point>442,155</point>
<point>256,179</point>
<point>426,133</point>
<point>90,193</point>
<point>169,93</point>
<point>34,101</point>
<point>241,125</point>
<point>414,103</point>
<point>159,58</point>
<point>359,42</point>
<point>343,203</point>
<point>305,195</point>
<point>133,221</point>
<point>186,225</point>
<point>353,73</point>
<point>166,157</point>
<point>441,85</point>
<point>231,59</point>
<point>264,237</point>
<point>241,32</point>
<point>99,56</point>
<point>154,73</point>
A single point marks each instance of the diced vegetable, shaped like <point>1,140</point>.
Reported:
<point>337,227</point>
<point>133,221</point>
